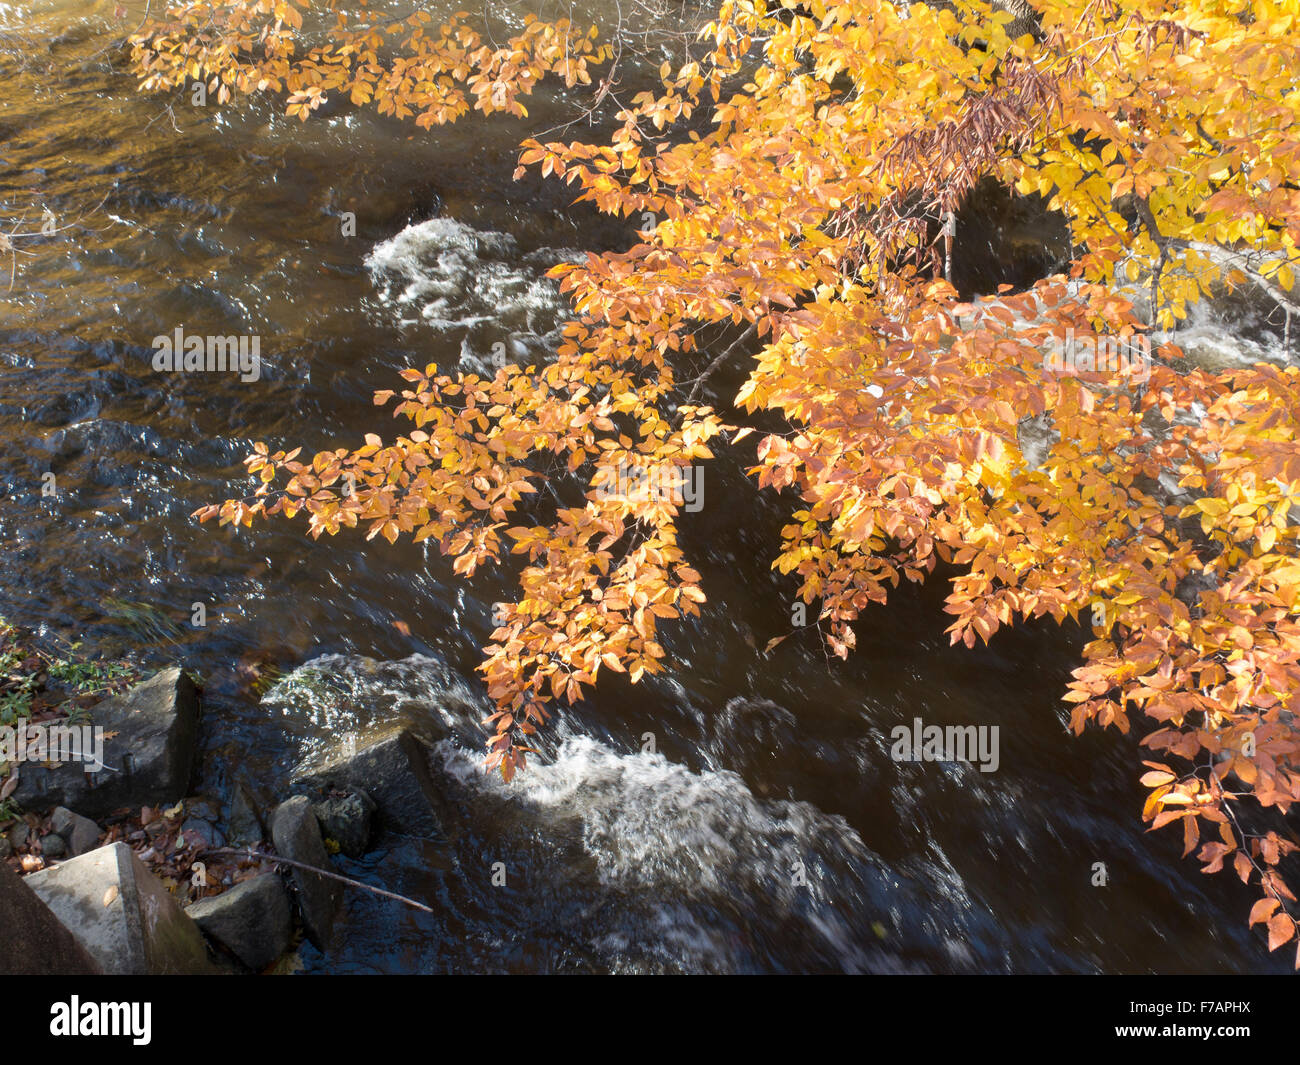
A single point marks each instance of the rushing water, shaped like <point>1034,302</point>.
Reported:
<point>767,829</point>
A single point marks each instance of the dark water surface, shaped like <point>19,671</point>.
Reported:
<point>768,831</point>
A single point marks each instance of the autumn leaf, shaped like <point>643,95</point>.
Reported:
<point>1280,930</point>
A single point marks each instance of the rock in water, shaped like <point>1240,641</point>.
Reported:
<point>147,762</point>
<point>346,819</point>
<point>252,920</point>
<point>296,835</point>
<point>33,942</point>
<point>393,771</point>
<point>122,915</point>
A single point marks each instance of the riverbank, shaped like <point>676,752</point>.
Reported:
<point>238,886</point>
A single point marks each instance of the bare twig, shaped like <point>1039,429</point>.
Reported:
<point>735,346</point>
<point>235,852</point>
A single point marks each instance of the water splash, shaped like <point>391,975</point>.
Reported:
<point>474,285</point>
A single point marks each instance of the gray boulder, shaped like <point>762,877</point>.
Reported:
<point>148,761</point>
<point>33,942</point>
<point>122,915</point>
<point>296,835</point>
<point>394,771</point>
<point>252,920</point>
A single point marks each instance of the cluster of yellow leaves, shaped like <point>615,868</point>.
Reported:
<point>600,577</point>
<point>404,66</point>
<point>842,134</point>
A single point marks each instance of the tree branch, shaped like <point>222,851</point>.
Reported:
<point>699,381</point>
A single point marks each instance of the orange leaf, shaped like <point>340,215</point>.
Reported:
<point>1262,909</point>
<point>1280,929</point>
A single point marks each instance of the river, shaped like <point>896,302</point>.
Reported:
<point>763,828</point>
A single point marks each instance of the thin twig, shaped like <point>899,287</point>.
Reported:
<point>321,872</point>
<point>699,381</point>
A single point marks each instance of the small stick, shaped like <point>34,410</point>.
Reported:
<point>321,872</point>
<point>735,346</point>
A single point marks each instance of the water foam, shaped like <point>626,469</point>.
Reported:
<point>476,284</point>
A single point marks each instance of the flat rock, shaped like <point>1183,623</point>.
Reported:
<point>33,942</point>
<point>296,835</point>
<point>252,920</point>
<point>393,770</point>
<point>148,762</point>
<point>122,915</point>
